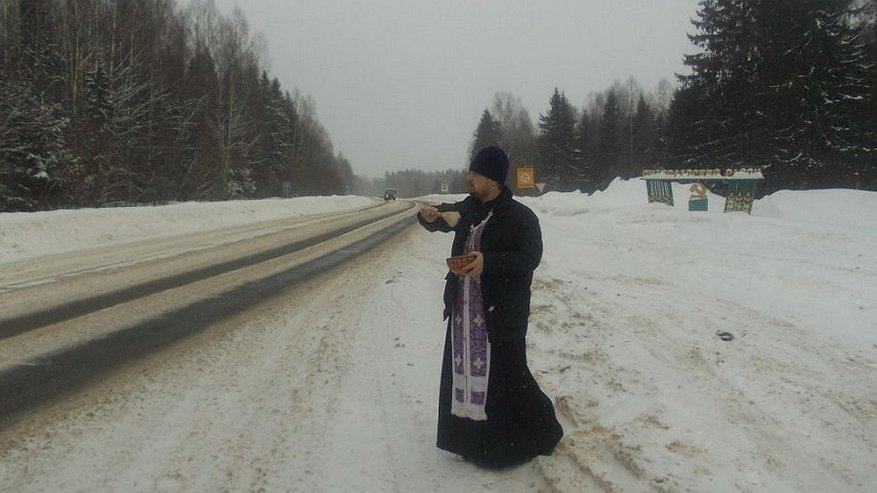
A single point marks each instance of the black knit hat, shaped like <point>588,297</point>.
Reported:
<point>491,162</point>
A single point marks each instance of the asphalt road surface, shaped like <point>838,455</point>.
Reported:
<point>68,320</point>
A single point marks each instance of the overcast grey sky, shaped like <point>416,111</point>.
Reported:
<point>402,83</point>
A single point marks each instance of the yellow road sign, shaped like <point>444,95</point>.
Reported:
<point>526,177</point>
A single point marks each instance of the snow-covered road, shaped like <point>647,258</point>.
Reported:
<point>331,386</point>
<point>312,391</point>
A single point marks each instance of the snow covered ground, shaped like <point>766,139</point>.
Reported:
<point>628,307</point>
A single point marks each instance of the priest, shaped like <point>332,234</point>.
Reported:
<point>491,410</point>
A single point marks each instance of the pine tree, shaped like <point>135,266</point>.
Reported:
<point>644,139</point>
<point>722,80</point>
<point>282,118</point>
<point>608,164</point>
<point>557,165</point>
<point>33,152</point>
<point>684,133</point>
<point>267,154</point>
<point>488,133</point>
<point>586,139</point>
<point>200,93</point>
<point>97,138</point>
<point>777,86</point>
<point>868,28</point>
<point>813,82</point>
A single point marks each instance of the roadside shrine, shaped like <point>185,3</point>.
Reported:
<point>742,185</point>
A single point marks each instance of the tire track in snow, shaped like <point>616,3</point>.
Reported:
<point>25,386</point>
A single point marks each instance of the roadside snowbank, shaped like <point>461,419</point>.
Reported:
<point>31,234</point>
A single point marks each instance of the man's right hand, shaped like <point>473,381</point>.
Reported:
<point>429,213</point>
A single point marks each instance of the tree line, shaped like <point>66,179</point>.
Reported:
<point>143,101</point>
<point>789,87</point>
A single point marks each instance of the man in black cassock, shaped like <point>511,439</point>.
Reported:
<point>491,411</point>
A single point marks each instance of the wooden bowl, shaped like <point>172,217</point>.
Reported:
<point>459,261</point>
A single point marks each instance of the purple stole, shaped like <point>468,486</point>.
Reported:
<point>471,349</point>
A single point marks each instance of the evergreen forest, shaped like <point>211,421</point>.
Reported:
<point>143,101</point>
<point>108,102</point>
<point>785,86</point>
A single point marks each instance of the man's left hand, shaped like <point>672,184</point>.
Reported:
<point>474,268</point>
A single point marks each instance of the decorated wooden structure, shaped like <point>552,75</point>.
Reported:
<point>742,185</point>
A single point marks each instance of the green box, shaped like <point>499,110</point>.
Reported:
<point>698,204</point>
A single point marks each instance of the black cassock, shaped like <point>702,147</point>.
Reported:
<point>520,424</point>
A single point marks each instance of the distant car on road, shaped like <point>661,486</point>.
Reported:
<point>390,194</point>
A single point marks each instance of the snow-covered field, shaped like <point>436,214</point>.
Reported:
<point>628,307</point>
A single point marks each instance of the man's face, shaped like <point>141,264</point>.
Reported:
<point>480,186</point>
